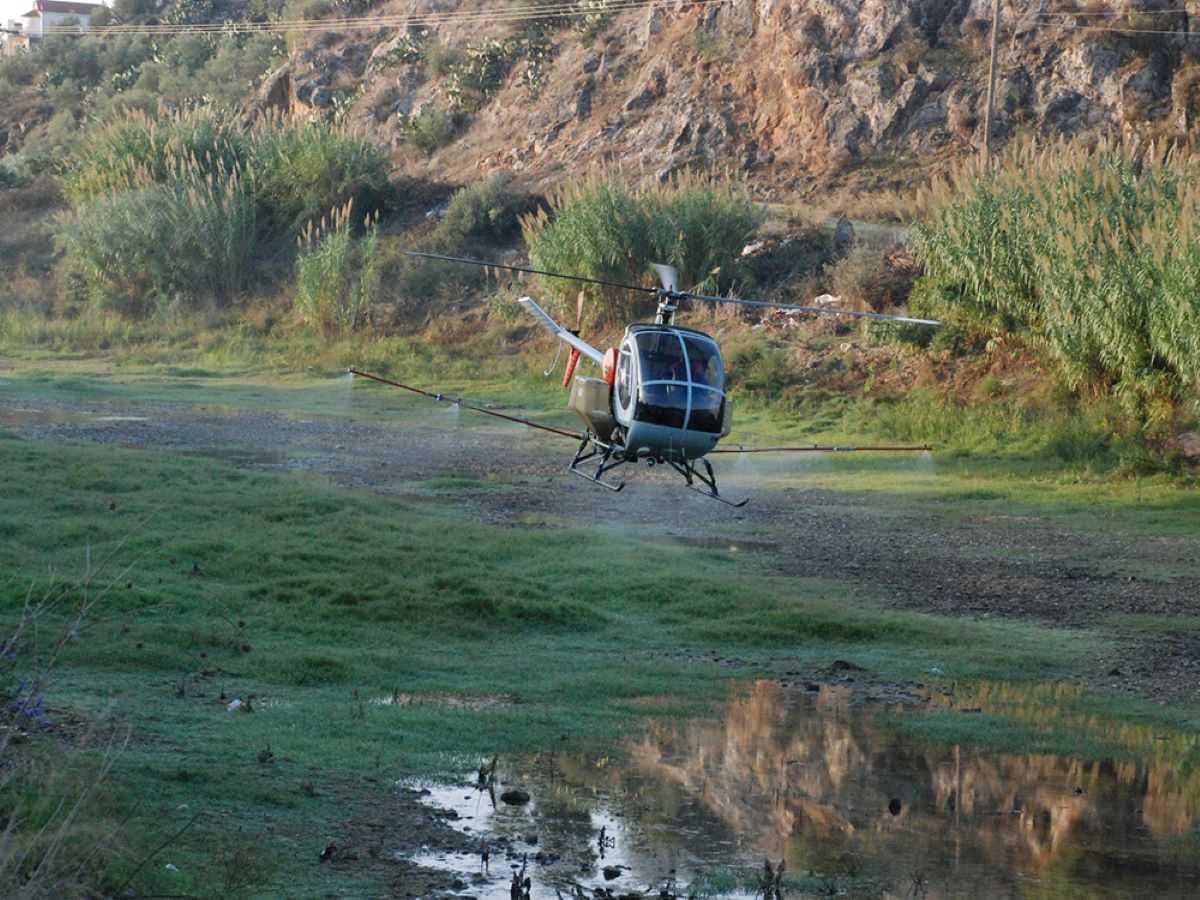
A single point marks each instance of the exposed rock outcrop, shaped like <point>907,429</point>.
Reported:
<point>790,90</point>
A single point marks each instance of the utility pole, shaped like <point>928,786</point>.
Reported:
<point>991,91</point>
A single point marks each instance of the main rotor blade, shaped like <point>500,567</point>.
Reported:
<point>669,276</point>
<point>495,265</point>
<point>818,448</point>
<point>763,304</point>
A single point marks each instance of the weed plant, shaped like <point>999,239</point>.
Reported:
<point>603,228</point>
<point>300,172</point>
<point>145,249</point>
<point>57,835</point>
<point>141,150</point>
<point>481,71</point>
<point>487,211</point>
<point>593,18</point>
<point>430,128</point>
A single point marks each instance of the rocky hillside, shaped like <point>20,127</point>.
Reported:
<point>802,94</point>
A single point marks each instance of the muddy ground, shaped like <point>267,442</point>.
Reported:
<point>910,554</point>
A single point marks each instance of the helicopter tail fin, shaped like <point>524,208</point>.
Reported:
<point>561,333</point>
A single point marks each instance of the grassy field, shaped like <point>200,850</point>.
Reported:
<point>316,602</point>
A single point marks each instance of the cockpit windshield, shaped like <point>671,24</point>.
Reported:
<point>660,356</point>
<point>681,380</point>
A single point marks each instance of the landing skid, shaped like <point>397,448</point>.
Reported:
<point>596,457</point>
<point>692,474</point>
<point>606,460</point>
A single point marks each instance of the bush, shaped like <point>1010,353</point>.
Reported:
<point>440,60</point>
<point>430,128</point>
<point>337,275</point>
<point>481,71</point>
<point>9,177</point>
<point>607,230</point>
<point>487,210</point>
<point>410,48</point>
<point>593,18</point>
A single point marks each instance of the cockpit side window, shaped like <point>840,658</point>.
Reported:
<point>704,362</point>
<point>624,378</point>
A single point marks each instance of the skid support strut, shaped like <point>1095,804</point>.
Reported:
<point>606,457</point>
<point>691,474</point>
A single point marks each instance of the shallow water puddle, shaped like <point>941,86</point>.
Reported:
<point>818,780</point>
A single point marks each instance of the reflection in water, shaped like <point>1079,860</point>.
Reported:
<point>824,784</point>
<point>814,779</point>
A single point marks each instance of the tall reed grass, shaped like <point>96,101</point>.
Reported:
<point>337,274</point>
<point>178,243</point>
<point>604,228</point>
<point>1090,253</point>
<point>178,209</point>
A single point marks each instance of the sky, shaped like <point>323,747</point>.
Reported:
<point>12,9</point>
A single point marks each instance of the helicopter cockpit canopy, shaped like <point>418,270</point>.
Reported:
<point>680,379</point>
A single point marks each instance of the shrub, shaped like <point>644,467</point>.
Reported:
<point>608,230</point>
<point>489,210</point>
<point>9,178</point>
<point>337,275</point>
<point>593,18</point>
<point>430,128</point>
<point>440,60</point>
<point>481,71</point>
<point>410,48</point>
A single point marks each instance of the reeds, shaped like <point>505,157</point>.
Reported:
<point>607,229</point>
<point>1090,253</point>
<point>176,210</point>
<point>337,274</point>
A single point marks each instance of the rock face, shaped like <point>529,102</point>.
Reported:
<point>793,91</point>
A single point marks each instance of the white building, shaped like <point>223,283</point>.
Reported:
<point>48,13</point>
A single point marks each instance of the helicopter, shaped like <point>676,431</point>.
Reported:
<point>661,396</point>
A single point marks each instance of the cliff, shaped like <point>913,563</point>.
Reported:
<point>799,94</point>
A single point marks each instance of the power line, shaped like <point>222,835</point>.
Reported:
<point>1113,13</point>
<point>509,15</point>
<point>1112,30</point>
